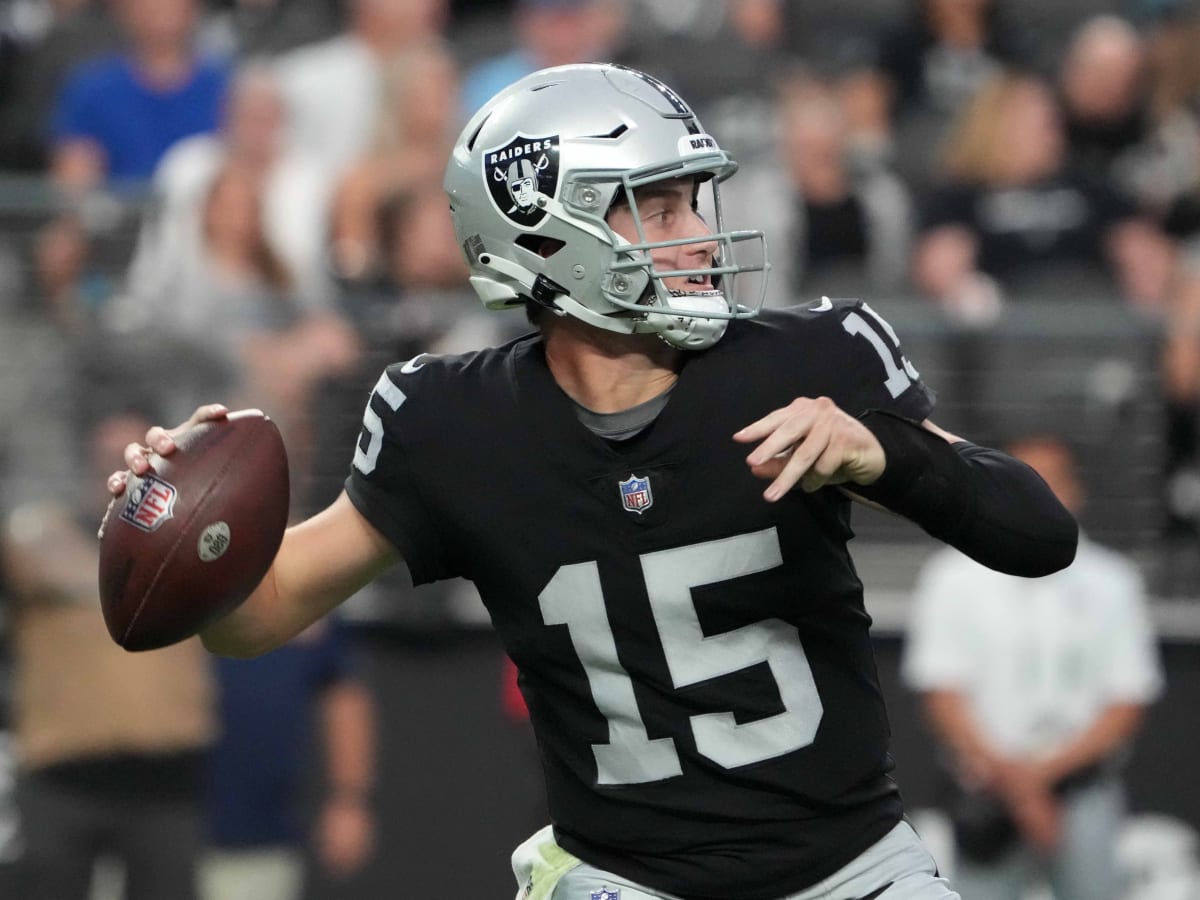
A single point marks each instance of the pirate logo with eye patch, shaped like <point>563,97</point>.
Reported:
<point>517,172</point>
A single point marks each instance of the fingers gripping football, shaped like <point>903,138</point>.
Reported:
<point>161,441</point>
<point>813,443</point>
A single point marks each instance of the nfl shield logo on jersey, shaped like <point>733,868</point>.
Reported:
<point>606,894</point>
<point>635,494</point>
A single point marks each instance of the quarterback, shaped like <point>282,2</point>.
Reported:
<point>652,492</point>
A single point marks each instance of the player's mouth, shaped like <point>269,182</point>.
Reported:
<point>691,284</point>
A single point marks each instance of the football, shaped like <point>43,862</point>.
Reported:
<point>191,538</point>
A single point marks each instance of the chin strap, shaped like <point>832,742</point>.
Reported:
<point>683,326</point>
<point>545,293</point>
<point>686,327</point>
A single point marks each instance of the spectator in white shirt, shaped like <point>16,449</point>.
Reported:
<point>1035,688</point>
<point>333,88</point>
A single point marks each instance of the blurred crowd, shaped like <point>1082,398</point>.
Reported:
<point>241,199</point>
<point>253,186</point>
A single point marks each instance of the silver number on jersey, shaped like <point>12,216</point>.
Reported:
<point>574,598</point>
<point>366,460</point>
<point>692,657</point>
<point>900,374</point>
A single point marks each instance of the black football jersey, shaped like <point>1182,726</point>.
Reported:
<point>696,661</point>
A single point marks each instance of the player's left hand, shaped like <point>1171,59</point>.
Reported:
<point>813,443</point>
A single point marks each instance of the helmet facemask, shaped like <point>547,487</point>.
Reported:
<point>535,175</point>
<point>635,288</point>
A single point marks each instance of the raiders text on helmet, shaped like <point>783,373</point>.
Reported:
<point>534,173</point>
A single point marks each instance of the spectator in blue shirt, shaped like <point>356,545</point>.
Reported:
<point>117,115</point>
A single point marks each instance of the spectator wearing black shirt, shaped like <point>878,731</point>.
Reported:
<point>1102,86</point>
<point>1014,219</point>
<point>929,66</point>
<point>837,228</point>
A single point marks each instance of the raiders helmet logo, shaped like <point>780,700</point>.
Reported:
<point>517,172</point>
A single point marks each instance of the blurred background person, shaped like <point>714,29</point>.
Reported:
<point>1035,691</point>
<point>113,118</point>
<point>1176,107</point>
<point>833,228</point>
<point>252,139</point>
<point>414,128</point>
<point>545,33</point>
<point>215,289</point>
<point>1171,185</point>
<point>1015,220</point>
<point>63,261</point>
<point>117,115</point>
<point>927,66</point>
<point>37,388</point>
<point>44,50</point>
<point>420,301</point>
<point>679,42</point>
<point>1102,87</point>
<point>268,838</point>
<point>333,88</point>
<point>248,29</point>
<point>111,745</point>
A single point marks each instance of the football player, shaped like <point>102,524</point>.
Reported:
<point>652,494</point>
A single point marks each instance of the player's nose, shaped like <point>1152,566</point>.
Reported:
<point>702,235</point>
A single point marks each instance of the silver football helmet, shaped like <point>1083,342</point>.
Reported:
<point>534,173</point>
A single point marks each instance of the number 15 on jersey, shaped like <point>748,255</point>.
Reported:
<point>574,598</point>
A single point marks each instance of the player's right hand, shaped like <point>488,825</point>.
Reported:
<point>813,443</point>
<point>161,441</point>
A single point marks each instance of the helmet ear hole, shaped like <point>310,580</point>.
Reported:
<point>544,247</point>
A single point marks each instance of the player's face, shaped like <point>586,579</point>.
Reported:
<point>667,211</point>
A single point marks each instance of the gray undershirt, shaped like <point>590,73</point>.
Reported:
<point>621,426</point>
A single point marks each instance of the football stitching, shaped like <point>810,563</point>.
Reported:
<point>247,441</point>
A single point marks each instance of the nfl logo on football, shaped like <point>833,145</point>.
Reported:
<point>149,504</point>
<point>606,894</point>
<point>635,494</point>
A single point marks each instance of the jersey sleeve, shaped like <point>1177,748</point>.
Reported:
<point>384,483</point>
<point>873,372</point>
